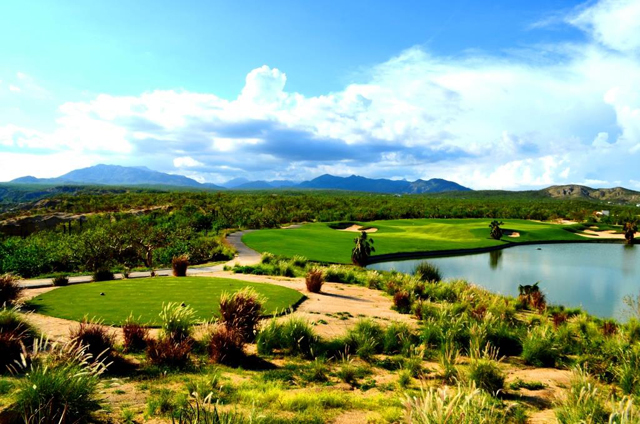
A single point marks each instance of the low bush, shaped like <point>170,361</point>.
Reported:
<point>177,321</point>
<point>241,311</point>
<point>225,345</point>
<point>179,265</point>
<point>293,336</point>
<point>98,341</point>
<point>539,348</point>
<point>486,375</point>
<point>169,352</point>
<point>427,272</point>
<point>10,290</point>
<point>314,280</point>
<point>61,281</point>
<point>402,301</point>
<point>365,338</point>
<point>103,275</point>
<point>56,390</point>
<point>135,334</point>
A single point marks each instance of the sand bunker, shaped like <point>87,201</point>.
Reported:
<point>511,233</point>
<point>359,228</point>
<point>610,234</point>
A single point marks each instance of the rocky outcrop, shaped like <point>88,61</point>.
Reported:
<point>24,226</point>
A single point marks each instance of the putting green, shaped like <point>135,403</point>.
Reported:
<point>320,242</point>
<point>144,297</point>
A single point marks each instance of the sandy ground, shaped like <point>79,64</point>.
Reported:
<point>332,311</point>
<point>513,234</point>
<point>358,229</point>
<point>609,234</point>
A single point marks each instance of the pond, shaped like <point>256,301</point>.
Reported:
<point>594,276</point>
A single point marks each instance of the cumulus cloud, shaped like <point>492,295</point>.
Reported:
<point>488,121</point>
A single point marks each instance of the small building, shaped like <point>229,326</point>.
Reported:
<point>603,212</point>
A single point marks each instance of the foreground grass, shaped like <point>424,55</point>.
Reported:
<point>320,242</point>
<point>144,297</point>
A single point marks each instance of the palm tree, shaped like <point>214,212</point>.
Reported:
<point>630,228</point>
<point>362,250</point>
<point>496,231</point>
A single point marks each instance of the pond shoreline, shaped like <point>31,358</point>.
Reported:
<point>386,257</point>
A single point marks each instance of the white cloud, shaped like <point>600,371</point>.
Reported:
<point>486,121</point>
<point>186,162</point>
<point>614,23</point>
<point>14,88</point>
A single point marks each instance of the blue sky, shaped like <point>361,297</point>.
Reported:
<point>271,90</point>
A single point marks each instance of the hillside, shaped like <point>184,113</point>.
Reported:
<point>357,183</point>
<point>616,194</point>
<point>117,175</point>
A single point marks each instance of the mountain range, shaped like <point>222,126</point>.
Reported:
<point>116,175</point>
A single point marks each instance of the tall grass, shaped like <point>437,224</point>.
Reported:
<point>177,321</point>
<point>241,311</point>
<point>62,387</point>
<point>10,290</point>
<point>293,336</point>
<point>584,404</point>
<point>448,405</point>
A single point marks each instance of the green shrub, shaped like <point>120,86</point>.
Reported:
<point>316,371</point>
<point>241,311</point>
<point>628,370</point>
<point>177,321</point>
<point>539,348</point>
<point>506,339</point>
<point>225,345</point>
<point>62,388</point>
<point>365,338</point>
<point>518,384</point>
<point>486,375</point>
<point>448,360</point>
<point>404,379</point>
<point>293,335</point>
<point>427,272</point>
<point>200,411</point>
<point>397,338</point>
<point>10,290</point>
<point>61,281</point>
<point>103,275</point>
<point>179,265</point>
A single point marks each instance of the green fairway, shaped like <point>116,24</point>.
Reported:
<point>144,297</point>
<point>320,242</point>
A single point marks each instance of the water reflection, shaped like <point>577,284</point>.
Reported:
<point>494,259</point>
<point>594,276</point>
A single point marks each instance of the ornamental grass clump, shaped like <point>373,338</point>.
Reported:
<point>585,402</point>
<point>314,280</point>
<point>10,290</point>
<point>135,334</point>
<point>446,405</point>
<point>177,321</point>
<point>61,281</point>
<point>169,352</point>
<point>293,336</point>
<point>539,348</point>
<point>98,342</point>
<point>428,272</point>
<point>225,345</point>
<point>59,388</point>
<point>16,334</point>
<point>486,375</point>
<point>402,301</point>
<point>241,312</point>
<point>179,265</point>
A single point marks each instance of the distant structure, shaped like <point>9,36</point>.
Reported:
<point>603,212</point>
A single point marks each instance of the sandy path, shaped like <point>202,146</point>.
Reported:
<point>332,312</point>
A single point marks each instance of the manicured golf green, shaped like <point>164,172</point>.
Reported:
<point>320,242</point>
<point>144,297</point>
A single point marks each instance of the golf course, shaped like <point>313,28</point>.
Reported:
<point>113,301</point>
<point>326,242</point>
